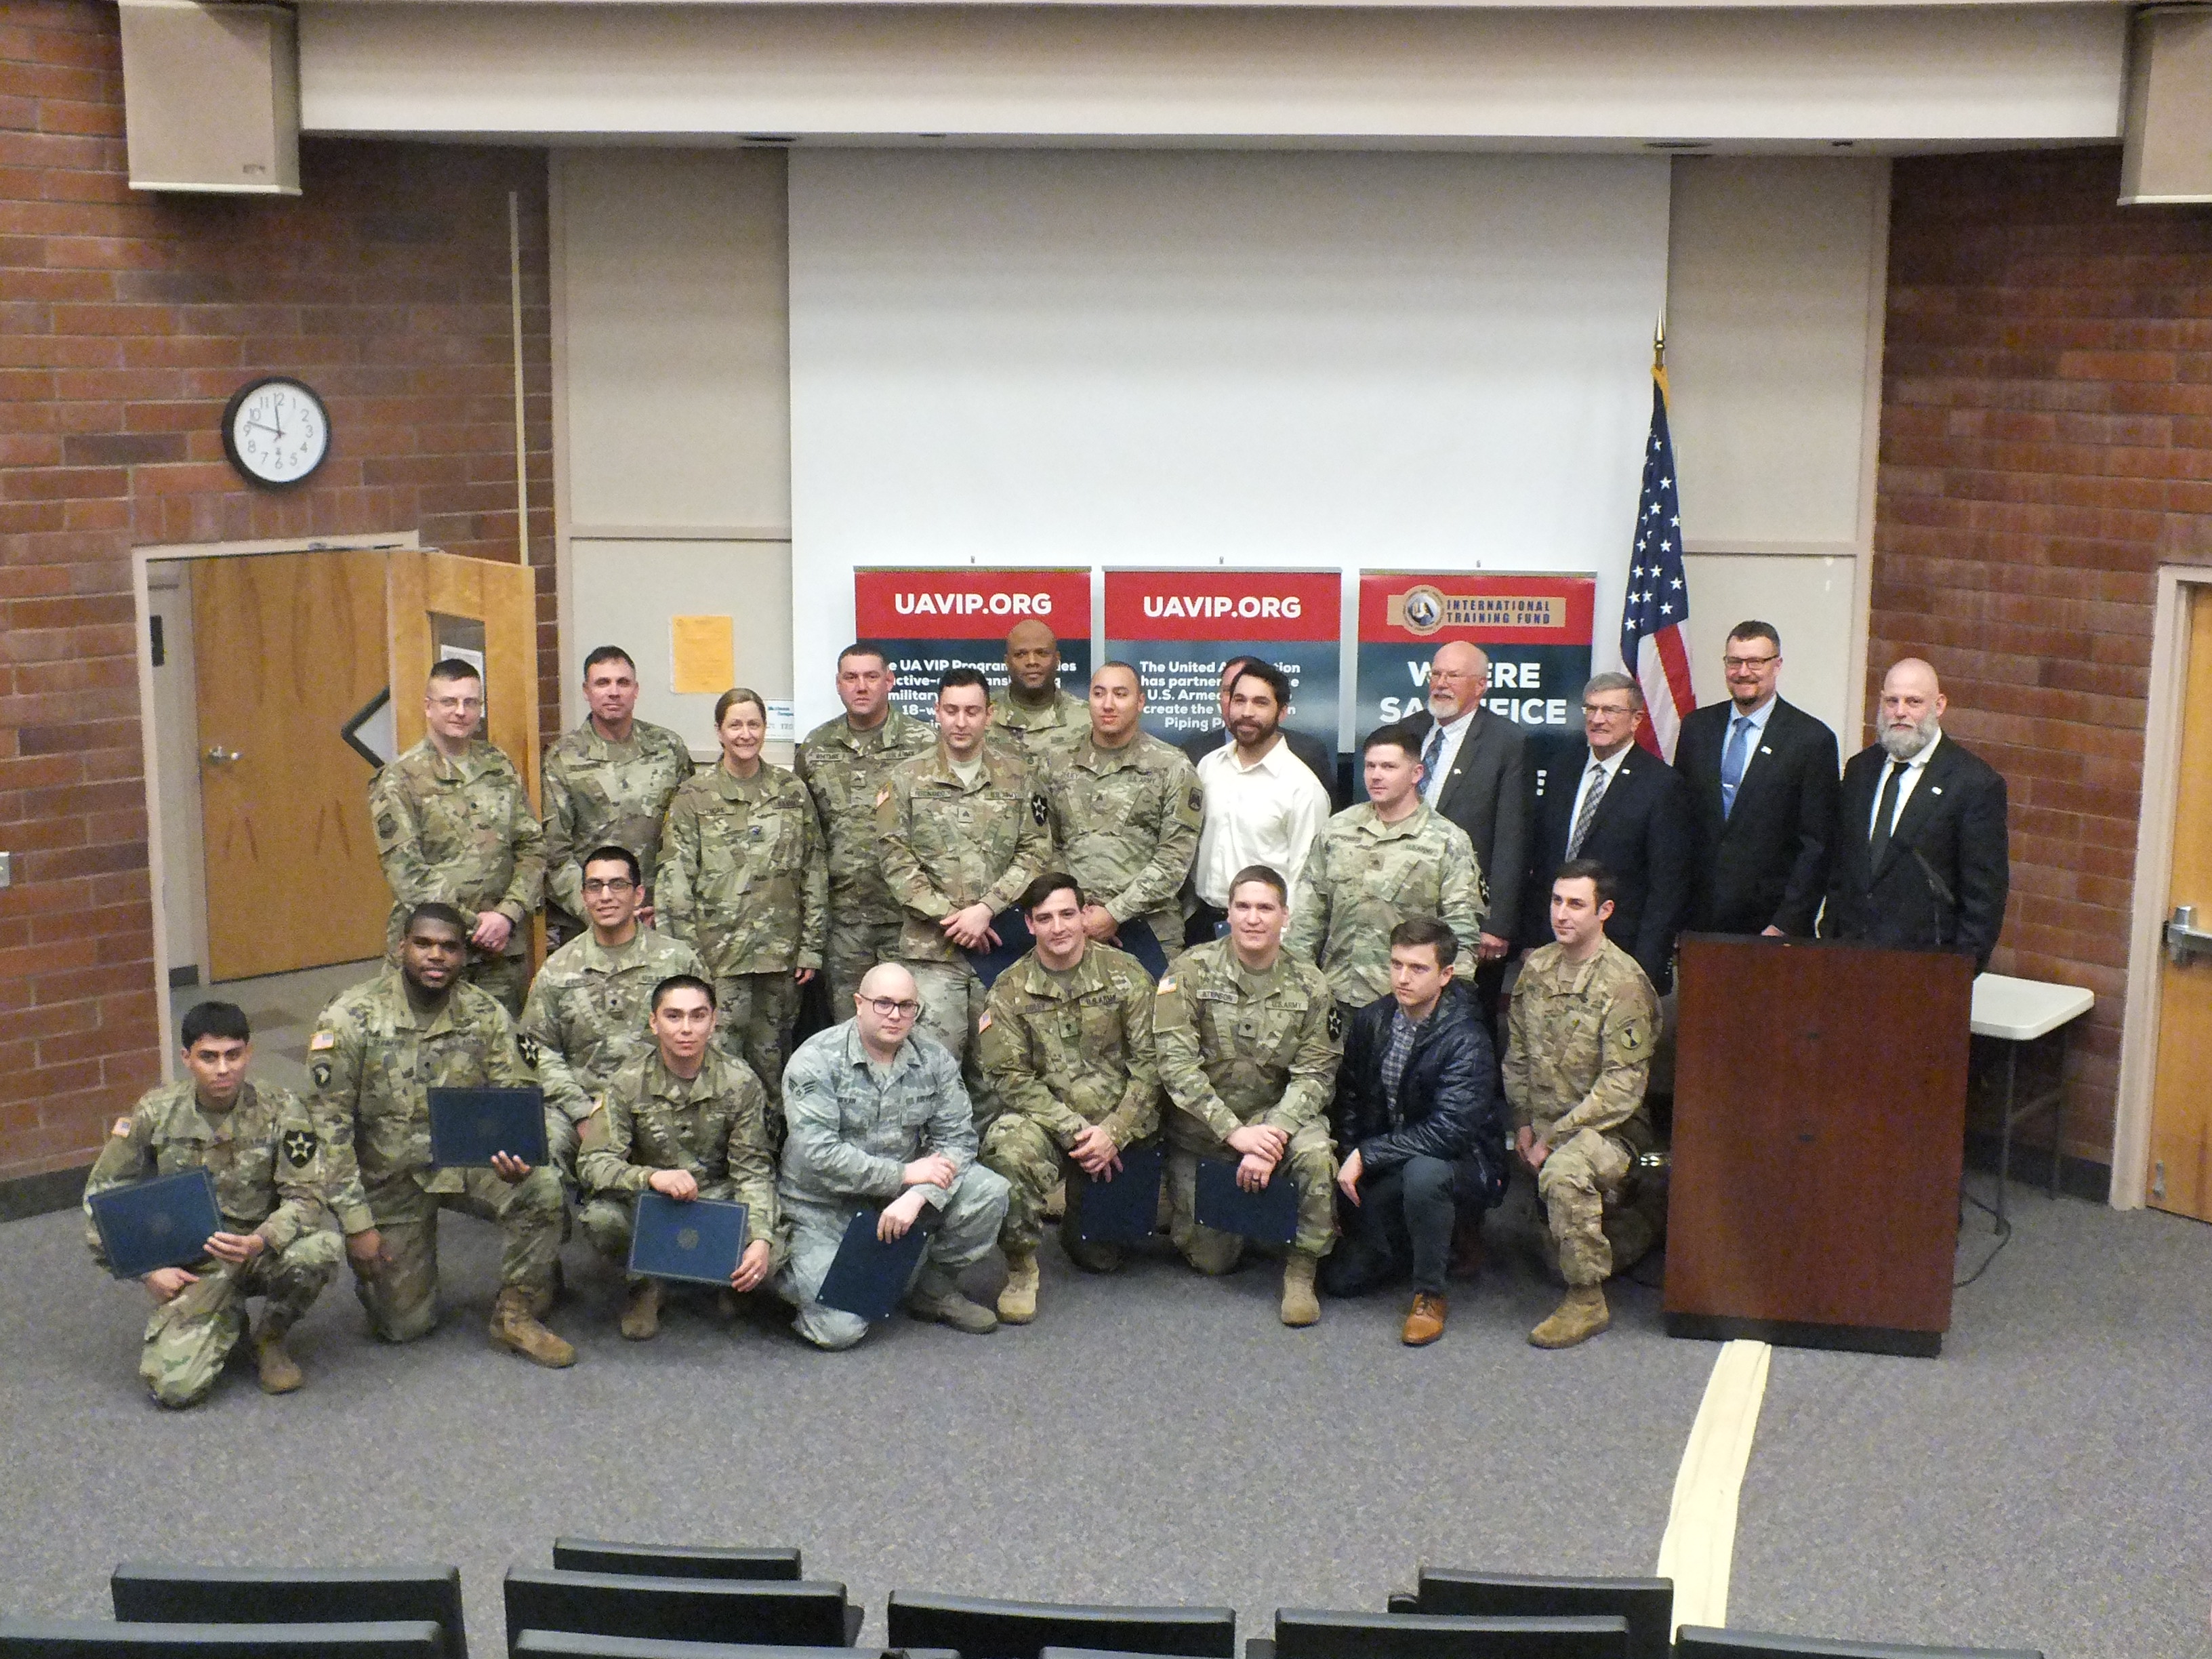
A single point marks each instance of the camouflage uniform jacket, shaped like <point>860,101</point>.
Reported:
<point>1238,1047</point>
<point>264,1154</point>
<point>743,877</point>
<point>714,1127</point>
<point>851,1126</point>
<point>1070,1049</point>
<point>374,1061</point>
<point>458,831</point>
<point>844,771</point>
<point>1580,1045</point>
<point>1364,877</point>
<point>602,793</point>
<point>945,845</point>
<point>1127,820</point>
<point>588,1006</point>
<point>1035,733</point>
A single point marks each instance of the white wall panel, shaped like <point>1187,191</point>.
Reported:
<point>1808,600</point>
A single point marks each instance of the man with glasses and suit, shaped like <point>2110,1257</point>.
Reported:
<point>1475,771</point>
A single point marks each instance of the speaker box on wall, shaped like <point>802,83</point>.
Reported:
<point>211,97</point>
<point>2168,157</point>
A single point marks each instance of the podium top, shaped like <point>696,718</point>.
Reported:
<point>2021,1010</point>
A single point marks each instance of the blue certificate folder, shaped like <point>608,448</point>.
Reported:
<point>1270,1215</point>
<point>467,1126</point>
<point>163,1222</point>
<point>699,1239</point>
<point>1125,1210</point>
<point>869,1277</point>
<point>1140,941</point>
<point>1015,942</point>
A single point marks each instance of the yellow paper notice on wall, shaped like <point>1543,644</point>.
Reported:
<point>704,653</point>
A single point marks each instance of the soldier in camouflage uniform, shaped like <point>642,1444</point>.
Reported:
<point>1248,1039</point>
<point>744,881</point>
<point>377,1051</point>
<point>688,1121</point>
<point>608,783</point>
<point>1067,1046</point>
<point>962,830</point>
<point>261,1147</point>
<point>1033,715</point>
<point>453,826</point>
<point>1390,859</point>
<point>879,1117</point>
<point>843,763</point>
<point>1126,811</point>
<point>1583,1022</point>
<point>588,1008</point>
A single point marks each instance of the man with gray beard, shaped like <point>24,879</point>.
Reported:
<point>1921,848</point>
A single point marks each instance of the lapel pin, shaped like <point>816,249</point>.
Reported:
<point>1763,749</point>
<point>1936,787</point>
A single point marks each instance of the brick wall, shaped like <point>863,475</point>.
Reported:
<point>125,322</point>
<point>2046,443</point>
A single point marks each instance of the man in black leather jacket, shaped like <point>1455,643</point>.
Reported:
<point>1418,1125</point>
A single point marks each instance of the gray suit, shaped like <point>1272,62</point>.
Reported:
<point>1487,796</point>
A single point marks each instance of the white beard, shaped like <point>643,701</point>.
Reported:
<point>1903,744</point>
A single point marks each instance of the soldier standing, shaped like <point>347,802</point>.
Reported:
<point>1249,1041</point>
<point>377,1051</point>
<point>1067,1047</point>
<point>587,1014</point>
<point>1583,1022</point>
<point>606,783</point>
<point>1126,811</point>
<point>687,1122</point>
<point>453,826</point>
<point>261,1148</point>
<point>744,882</point>
<point>961,830</point>
<point>1033,714</point>
<point>1391,858</point>
<point>843,763</point>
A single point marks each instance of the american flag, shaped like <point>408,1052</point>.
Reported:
<point>1657,605</point>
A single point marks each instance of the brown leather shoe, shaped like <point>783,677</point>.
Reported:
<point>1426,1323</point>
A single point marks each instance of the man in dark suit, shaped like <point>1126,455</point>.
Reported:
<point>1614,801</point>
<point>1761,775</point>
<point>1317,755</point>
<point>1923,854</point>
<point>1475,772</point>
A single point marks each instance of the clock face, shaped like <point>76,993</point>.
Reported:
<point>275,431</point>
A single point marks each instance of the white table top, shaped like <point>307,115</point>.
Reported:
<point>2020,1010</point>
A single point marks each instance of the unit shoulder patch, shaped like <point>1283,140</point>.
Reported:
<point>300,1147</point>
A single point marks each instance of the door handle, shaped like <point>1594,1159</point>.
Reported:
<point>219,756</point>
<point>2184,938</point>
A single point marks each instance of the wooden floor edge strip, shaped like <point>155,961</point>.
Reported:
<point>1700,1540</point>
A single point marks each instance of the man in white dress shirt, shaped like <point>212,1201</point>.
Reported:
<point>1263,804</point>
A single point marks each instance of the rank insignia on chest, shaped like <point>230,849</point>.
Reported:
<point>1038,811</point>
<point>300,1147</point>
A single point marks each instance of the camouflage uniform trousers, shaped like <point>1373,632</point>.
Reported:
<point>1034,1166</point>
<point>967,1227</point>
<point>401,1298</point>
<point>951,1002</point>
<point>1308,1162</point>
<point>852,949</point>
<point>1582,1187</point>
<point>753,1017</point>
<point>191,1335</point>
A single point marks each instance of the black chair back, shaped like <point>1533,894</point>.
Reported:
<point>1311,1633</point>
<point>980,1628</point>
<point>800,1614</point>
<point>86,1638</point>
<point>163,1591</point>
<point>674,1560</point>
<point>1648,1604</point>
<point>571,1644</point>
<point>1704,1642</point>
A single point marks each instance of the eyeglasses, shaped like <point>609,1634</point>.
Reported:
<point>1607,711</point>
<point>887,1009</point>
<point>456,705</point>
<point>1734,665</point>
<point>620,884</point>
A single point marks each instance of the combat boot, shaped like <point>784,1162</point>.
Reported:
<point>1091,1258</point>
<point>1577,1319</point>
<point>640,1316</point>
<point>1017,1302</point>
<point>280,1372</point>
<point>1300,1305</point>
<point>936,1296</point>
<point>514,1329</point>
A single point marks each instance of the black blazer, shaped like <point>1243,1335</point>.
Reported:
<point>1945,872</point>
<point>1313,752</point>
<point>1766,864</point>
<point>1642,836</point>
<point>1449,1104</point>
<point>1487,796</point>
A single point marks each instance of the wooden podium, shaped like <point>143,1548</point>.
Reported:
<point>1820,1118</point>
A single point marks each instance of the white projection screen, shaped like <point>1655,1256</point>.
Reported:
<point>1148,358</point>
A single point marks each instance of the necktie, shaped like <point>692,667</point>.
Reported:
<point>1431,753</point>
<point>1590,799</point>
<point>1739,748</point>
<point>1877,846</point>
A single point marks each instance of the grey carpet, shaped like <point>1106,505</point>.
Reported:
<point>1156,1436</point>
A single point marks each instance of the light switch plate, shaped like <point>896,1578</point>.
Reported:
<point>7,869</point>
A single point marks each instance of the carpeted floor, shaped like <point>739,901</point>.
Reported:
<point>1156,1436</point>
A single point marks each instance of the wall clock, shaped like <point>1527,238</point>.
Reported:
<point>275,431</point>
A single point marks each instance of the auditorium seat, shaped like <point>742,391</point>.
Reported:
<point>674,1560</point>
<point>1648,1604</point>
<point>91,1638</point>
<point>1315,1634</point>
<point>797,1613</point>
<point>167,1592</point>
<point>570,1644</point>
<point>1707,1642</point>
<point>983,1629</point>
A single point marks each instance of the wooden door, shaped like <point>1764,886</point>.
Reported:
<point>287,649</point>
<point>2180,1174</point>
<point>441,605</point>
